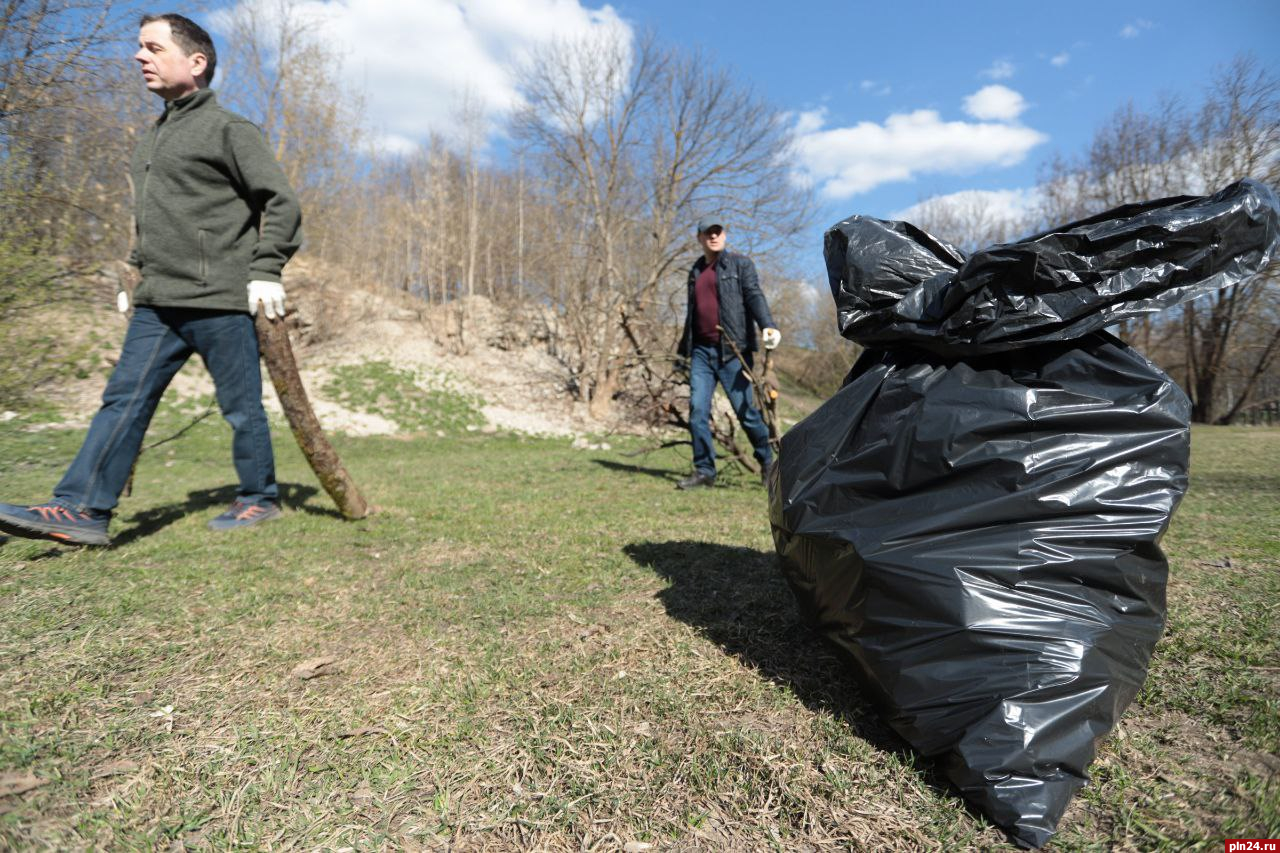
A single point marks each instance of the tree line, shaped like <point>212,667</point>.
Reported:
<point>585,228</point>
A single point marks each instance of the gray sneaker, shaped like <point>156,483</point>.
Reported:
<point>57,522</point>
<point>697,480</point>
<point>245,514</point>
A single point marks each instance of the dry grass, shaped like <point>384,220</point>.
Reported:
<point>542,648</point>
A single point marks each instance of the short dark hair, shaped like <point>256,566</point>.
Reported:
<point>189,36</point>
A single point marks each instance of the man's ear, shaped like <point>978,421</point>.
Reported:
<point>199,65</point>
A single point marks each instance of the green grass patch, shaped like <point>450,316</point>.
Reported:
<point>415,402</point>
<point>542,647</point>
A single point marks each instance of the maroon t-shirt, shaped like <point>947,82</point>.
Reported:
<point>706,307</point>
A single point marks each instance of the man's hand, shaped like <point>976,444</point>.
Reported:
<point>271,295</point>
<point>771,338</point>
<point>122,302</point>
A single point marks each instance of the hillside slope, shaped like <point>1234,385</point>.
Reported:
<point>378,363</point>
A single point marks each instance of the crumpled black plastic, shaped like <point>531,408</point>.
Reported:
<point>974,519</point>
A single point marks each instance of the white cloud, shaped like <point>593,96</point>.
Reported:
<point>974,219</point>
<point>394,143</point>
<point>1001,69</point>
<point>1013,204</point>
<point>1060,59</point>
<point>809,121</point>
<point>417,61</point>
<point>1134,29</point>
<point>995,102</point>
<point>846,161</point>
<point>875,87</point>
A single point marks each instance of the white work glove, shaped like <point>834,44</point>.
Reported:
<point>122,302</point>
<point>771,338</point>
<point>271,295</point>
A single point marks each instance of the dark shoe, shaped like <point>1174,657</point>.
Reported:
<point>697,481</point>
<point>766,471</point>
<point>244,514</point>
<point>55,522</point>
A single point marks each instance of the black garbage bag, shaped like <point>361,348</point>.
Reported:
<point>974,518</point>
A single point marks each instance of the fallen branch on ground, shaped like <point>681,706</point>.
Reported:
<point>273,340</point>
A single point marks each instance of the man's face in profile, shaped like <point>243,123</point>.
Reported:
<point>166,68</point>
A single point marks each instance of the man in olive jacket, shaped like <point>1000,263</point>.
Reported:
<point>725,301</point>
<point>216,221</point>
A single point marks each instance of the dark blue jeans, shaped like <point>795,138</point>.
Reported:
<point>705,369</point>
<point>158,343</point>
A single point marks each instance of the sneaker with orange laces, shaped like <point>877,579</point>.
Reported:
<point>245,514</point>
<point>57,522</point>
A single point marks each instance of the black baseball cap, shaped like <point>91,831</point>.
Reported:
<point>706,223</point>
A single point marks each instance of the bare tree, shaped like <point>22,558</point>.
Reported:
<point>972,220</point>
<point>1173,150</point>
<point>67,103</point>
<point>584,104</point>
<point>637,139</point>
<point>48,52</point>
<point>474,129</point>
<point>287,78</point>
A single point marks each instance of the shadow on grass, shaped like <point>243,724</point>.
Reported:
<point>660,473</point>
<point>730,474</point>
<point>292,495</point>
<point>47,554</point>
<point>736,598</point>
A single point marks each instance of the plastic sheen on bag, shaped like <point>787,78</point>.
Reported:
<point>974,519</point>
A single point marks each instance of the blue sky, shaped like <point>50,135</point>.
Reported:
<point>1073,64</point>
<point>892,103</point>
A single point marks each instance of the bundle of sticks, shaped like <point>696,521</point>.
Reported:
<point>765,384</point>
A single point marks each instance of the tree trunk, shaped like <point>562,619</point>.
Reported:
<point>601,403</point>
<point>1259,370</point>
<point>604,380</point>
<point>273,339</point>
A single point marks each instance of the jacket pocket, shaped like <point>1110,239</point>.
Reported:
<point>204,256</point>
<point>727,286</point>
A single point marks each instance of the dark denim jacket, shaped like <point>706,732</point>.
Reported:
<point>742,304</point>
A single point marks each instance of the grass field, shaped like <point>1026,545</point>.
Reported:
<point>541,647</point>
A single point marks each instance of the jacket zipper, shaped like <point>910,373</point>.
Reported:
<point>146,177</point>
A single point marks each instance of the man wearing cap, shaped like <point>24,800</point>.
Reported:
<point>725,303</point>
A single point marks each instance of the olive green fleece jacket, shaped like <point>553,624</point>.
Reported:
<point>213,209</point>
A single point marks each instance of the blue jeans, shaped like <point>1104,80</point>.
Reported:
<point>705,369</point>
<point>158,343</point>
